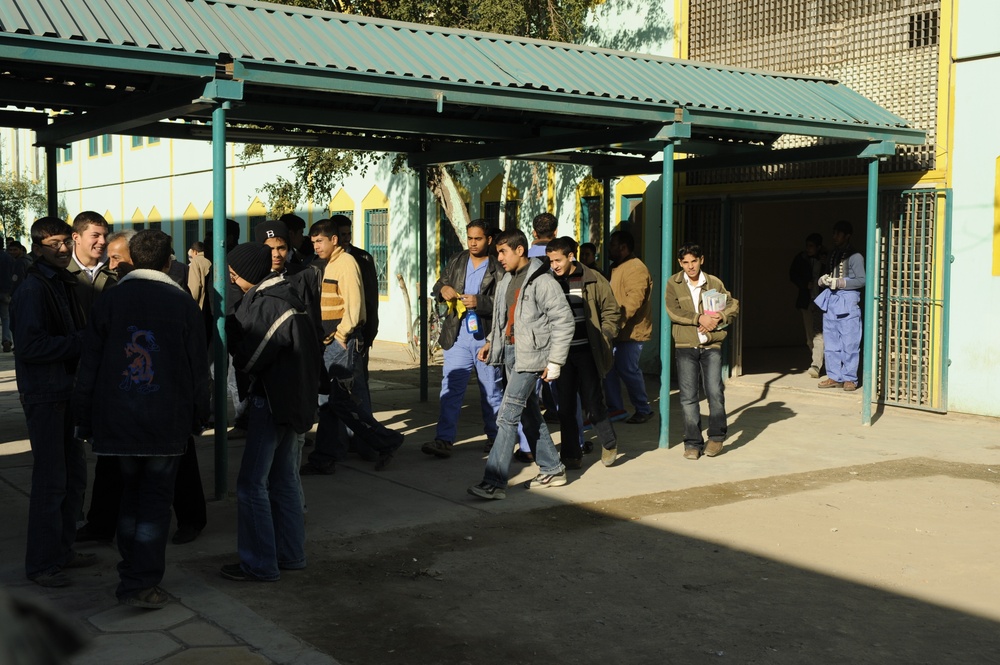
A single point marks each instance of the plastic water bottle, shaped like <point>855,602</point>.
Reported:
<point>472,322</point>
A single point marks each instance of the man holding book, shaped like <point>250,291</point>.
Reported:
<point>700,308</point>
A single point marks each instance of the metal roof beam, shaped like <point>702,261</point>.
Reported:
<point>24,119</point>
<point>54,95</point>
<point>607,138</point>
<point>803,127</point>
<point>193,132</point>
<point>272,114</point>
<point>123,117</point>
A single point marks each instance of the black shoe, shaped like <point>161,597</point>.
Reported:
<point>523,457</point>
<point>235,572</point>
<point>639,418</point>
<point>437,448</point>
<point>184,535</point>
<point>52,579</point>
<point>574,464</point>
<point>88,534</point>
<point>588,447</point>
<point>485,490</point>
<point>7,346</point>
<point>313,469</point>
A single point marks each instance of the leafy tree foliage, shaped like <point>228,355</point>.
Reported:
<point>316,172</point>
<point>17,195</point>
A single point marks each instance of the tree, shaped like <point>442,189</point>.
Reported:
<point>317,171</point>
<point>17,195</point>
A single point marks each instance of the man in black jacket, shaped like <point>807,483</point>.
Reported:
<point>274,340</point>
<point>467,286</point>
<point>141,391</point>
<point>48,324</point>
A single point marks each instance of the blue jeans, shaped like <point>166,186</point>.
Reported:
<point>270,527</point>
<point>144,520</point>
<point>58,481</point>
<point>695,366</point>
<point>626,368</point>
<point>459,363</point>
<point>519,404</point>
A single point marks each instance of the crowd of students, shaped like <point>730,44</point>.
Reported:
<point>112,345</point>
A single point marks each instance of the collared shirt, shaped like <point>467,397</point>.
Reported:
<point>695,288</point>
<point>91,272</point>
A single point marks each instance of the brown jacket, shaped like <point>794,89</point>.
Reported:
<point>632,286</point>
<point>680,308</point>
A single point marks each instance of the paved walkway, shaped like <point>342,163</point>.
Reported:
<point>778,425</point>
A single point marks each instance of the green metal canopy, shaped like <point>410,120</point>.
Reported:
<point>261,73</point>
<point>319,78</point>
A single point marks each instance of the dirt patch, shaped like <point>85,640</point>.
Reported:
<point>599,583</point>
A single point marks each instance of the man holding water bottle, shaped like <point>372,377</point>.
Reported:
<point>467,286</point>
<point>698,332</point>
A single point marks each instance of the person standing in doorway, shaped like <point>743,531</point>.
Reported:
<point>840,301</point>
<point>804,272</point>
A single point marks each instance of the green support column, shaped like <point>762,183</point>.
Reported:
<point>422,284</point>
<point>51,181</point>
<point>220,275</point>
<point>666,269</point>
<point>868,333</point>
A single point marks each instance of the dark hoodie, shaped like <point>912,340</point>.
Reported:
<point>274,340</point>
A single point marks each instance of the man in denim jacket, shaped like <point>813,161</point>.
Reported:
<point>48,324</point>
<point>532,329</point>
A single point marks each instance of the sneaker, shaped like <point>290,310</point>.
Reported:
<point>543,480</point>
<point>850,386</point>
<point>235,572</point>
<point>151,599</point>
<point>313,469</point>
<point>713,448</point>
<point>829,383</point>
<point>573,463</point>
<point>608,455</point>
<point>185,535</point>
<point>437,448</point>
<point>485,490</point>
<point>692,452</point>
<point>81,560</point>
<point>53,579</point>
<point>639,418</point>
<point>813,371</point>
<point>617,414</point>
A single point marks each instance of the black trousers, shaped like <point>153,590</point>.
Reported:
<point>579,376</point>
<point>106,495</point>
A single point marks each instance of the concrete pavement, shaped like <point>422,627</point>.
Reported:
<point>779,425</point>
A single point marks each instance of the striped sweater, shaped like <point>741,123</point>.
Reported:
<point>342,303</point>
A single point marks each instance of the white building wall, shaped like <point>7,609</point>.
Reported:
<point>974,348</point>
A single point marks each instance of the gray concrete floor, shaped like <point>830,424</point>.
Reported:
<point>779,424</point>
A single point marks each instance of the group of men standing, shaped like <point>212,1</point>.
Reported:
<point>126,368</point>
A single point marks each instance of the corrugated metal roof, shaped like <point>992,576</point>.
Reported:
<point>255,32</point>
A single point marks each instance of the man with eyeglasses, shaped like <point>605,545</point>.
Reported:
<point>48,324</point>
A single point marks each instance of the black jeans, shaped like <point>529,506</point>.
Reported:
<point>579,376</point>
<point>106,495</point>
<point>144,520</point>
<point>58,480</point>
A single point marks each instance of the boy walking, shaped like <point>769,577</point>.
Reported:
<point>532,329</point>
